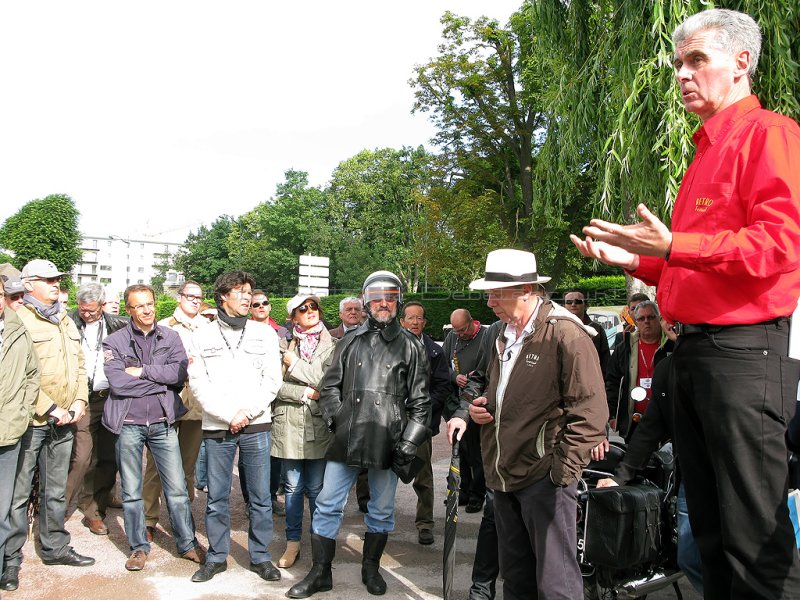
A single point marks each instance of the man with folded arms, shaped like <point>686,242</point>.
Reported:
<point>145,364</point>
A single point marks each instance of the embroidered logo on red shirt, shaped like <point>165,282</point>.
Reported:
<point>702,204</point>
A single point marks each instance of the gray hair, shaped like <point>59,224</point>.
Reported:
<point>736,31</point>
<point>350,300</point>
<point>647,304</point>
<point>91,292</point>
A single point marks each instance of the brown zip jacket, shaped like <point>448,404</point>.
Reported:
<point>553,410</point>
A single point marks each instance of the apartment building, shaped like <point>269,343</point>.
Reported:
<point>117,262</point>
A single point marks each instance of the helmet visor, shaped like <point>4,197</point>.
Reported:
<point>388,293</point>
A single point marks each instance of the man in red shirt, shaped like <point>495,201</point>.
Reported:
<point>728,276</point>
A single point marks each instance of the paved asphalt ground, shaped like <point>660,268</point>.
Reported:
<point>412,572</point>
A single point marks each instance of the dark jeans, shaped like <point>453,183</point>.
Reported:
<point>275,479</point>
<point>538,533</point>
<point>254,460</point>
<point>486,566</point>
<point>735,391</point>
<point>51,448</point>
<point>473,482</point>
<point>8,468</point>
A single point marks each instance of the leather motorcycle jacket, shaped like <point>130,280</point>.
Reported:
<point>375,395</point>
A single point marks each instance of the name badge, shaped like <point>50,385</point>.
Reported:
<point>646,382</point>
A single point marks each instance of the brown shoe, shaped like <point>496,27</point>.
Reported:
<point>96,526</point>
<point>151,533</point>
<point>136,560</point>
<point>196,555</point>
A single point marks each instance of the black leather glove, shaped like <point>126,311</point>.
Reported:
<point>404,453</point>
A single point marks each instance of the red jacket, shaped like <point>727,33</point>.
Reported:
<point>735,255</point>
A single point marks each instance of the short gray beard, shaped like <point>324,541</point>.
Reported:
<point>382,319</point>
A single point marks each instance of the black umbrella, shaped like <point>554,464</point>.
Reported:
<point>451,522</point>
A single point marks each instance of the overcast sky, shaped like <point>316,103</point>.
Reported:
<point>156,117</point>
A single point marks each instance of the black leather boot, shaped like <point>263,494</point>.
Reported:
<point>319,578</point>
<point>374,543</point>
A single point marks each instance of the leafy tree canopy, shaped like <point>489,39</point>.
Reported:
<point>44,228</point>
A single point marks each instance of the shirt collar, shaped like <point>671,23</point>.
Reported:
<point>718,125</point>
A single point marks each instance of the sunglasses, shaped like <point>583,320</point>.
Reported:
<point>50,280</point>
<point>578,302</point>
<point>644,318</point>
<point>259,304</point>
<point>306,307</point>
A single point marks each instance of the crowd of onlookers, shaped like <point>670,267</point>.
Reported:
<point>137,411</point>
<point>532,397</point>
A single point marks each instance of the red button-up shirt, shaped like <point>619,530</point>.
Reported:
<point>735,255</point>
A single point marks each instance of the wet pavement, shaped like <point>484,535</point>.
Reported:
<point>412,571</point>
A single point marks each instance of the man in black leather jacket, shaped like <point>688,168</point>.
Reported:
<point>93,468</point>
<point>375,397</point>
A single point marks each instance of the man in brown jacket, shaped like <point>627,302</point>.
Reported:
<point>540,400</point>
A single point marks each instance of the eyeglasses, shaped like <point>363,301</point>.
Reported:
<point>578,302</point>
<point>414,318</point>
<point>644,318</point>
<point>259,304</point>
<point>48,280</point>
<point>86,310</point>
<point>306,307</point>
<point>192,297</point>
<point>141,307</point>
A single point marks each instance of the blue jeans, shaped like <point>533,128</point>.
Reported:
<point>254,453</point>
<point>51,448</point>
<point>339,478</point>
<point>162,440</point>
<point>688,552</point>
<point>201,468</point>
<point>301,478</point>
<point>8,469</point>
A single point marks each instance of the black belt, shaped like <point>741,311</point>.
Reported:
<point>99,395</point>
<point>689,328</point>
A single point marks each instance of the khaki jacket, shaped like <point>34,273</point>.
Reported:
<point>299,430</point>
<point>19,385</point>
<point>58,348</point>
<point>185,327</point>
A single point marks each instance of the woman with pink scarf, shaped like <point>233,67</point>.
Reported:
<point>300,435</point>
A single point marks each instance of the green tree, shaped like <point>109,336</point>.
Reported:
<point>486,120</point>
<point>204,255</point>
<point>377,209</point>
<point>486,93</point>
<point>162,265</point>
<point>44,228</point>
<point>267,240</point>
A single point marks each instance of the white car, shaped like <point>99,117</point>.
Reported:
<point>609,320</point>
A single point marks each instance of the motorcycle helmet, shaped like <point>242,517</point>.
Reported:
<point>382,284</point>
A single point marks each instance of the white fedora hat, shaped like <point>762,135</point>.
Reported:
<point>507,268</point>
